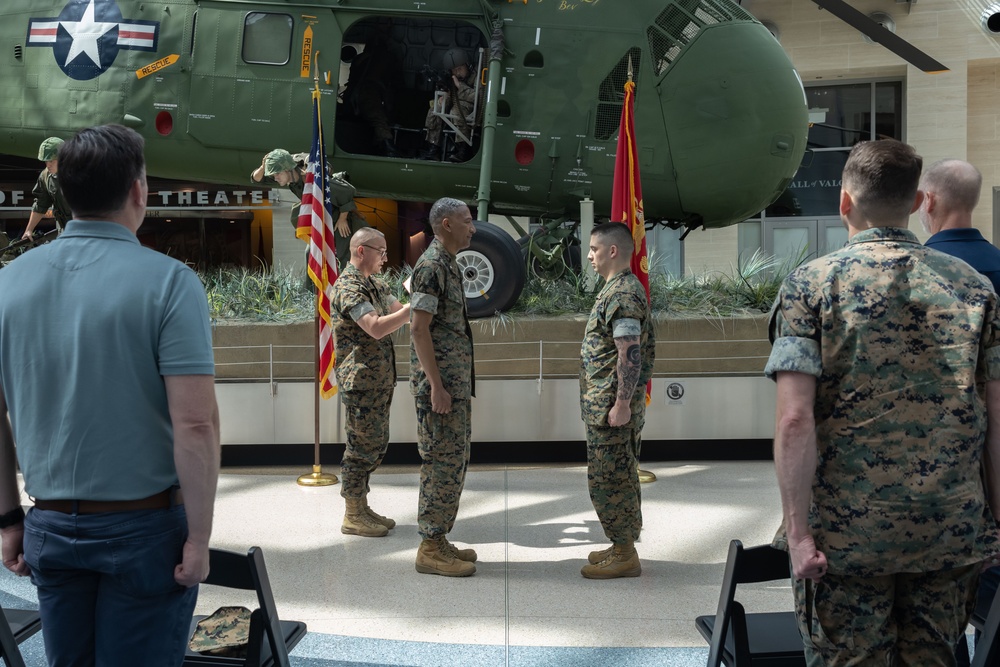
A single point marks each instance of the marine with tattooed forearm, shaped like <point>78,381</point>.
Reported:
<point>616,361</point>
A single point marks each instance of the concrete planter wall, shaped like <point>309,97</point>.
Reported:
<point>708,383</point>
<point>525,348</point>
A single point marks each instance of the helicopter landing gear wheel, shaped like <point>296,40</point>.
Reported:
<point>477,273</point>
<point>553,271</point>
<point>492,271</point>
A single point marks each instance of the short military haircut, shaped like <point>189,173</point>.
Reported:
<point>882,177</point>
<point>446,207</point>
<point>617,234</point>
<point>98,167</point>
<point>364,236</point>
<point>955,183</point>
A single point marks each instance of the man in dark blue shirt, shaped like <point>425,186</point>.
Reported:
<point>951,191</point>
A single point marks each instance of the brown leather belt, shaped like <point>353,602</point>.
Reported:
<point>162,500</point>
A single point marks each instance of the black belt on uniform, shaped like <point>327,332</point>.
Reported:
<point>162,500</point>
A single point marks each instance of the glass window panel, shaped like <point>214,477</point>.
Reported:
<point>791,244</point>
<point>888,110</point>
<point>267,38</point>
<point>834,237</point>
<point>815,188</point>
<point>839,116</point>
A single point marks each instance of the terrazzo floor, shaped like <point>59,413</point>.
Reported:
<point>527,603</point>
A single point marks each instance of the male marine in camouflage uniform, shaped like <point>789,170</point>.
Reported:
<point>364,313</point>
<point>279,167</point>
<point>887,364</point>
<point>443,383</point>
<point>616,361</point>
<point>46,192</point>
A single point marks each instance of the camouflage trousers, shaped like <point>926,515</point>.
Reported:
<point>897,619</point>
<point>613,480</point>
<point>443,443</point>
<point>367,438</point>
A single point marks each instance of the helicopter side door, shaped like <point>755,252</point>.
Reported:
<point>252,75</point>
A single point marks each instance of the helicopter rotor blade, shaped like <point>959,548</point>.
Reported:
<point>878,33</point>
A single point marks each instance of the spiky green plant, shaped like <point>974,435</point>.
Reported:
<point>267,296</point>
<point>288,296</point>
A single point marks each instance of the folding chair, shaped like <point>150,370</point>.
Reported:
<point>270,638</point>
<point>16,626</point>
<point>738,639</point>
<point>988,645</point>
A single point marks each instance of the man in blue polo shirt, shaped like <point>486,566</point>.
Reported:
<point>107,375</point>
<point>951,191</point>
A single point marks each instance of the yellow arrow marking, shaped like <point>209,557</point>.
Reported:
<point>156,66</point>
<point>307,52</point>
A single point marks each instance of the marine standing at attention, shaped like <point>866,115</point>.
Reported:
<point>887,361</point>
<point>443,382</point>
<point>616,361</point>
<point>364,313</point>
<point>107,375</point>
<point>46,192</point>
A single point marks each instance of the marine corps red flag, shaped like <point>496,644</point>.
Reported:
<point>626,196</point>
<point>315,225</point>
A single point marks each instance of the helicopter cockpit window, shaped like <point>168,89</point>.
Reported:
<point>267,38</point>
<point>611,95</point>
<point>679,24</point>
<point>411,88</point>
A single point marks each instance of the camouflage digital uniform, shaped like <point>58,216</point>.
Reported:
<point>48,195</point>
<point>366,375</point>
<point>443,440</point>
<point>901,339</point>
<point>341,196</point>
<point>621,309</point>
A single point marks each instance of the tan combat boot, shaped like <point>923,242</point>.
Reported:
<point>596,557</point>
<point>468,555</point>
<point>434,558</point>
<point>623,561</point>
<point>376,517</point>
<point>357,521</point>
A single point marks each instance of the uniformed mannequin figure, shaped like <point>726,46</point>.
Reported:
<point>370,93</point>
<point>279,167</point>
<point>364,314</point>
<point>461,99</point>
<point>46,192</point>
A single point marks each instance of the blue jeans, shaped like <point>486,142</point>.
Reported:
<point>106,588</point>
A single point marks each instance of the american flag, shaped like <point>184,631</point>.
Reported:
<point>315,226</point>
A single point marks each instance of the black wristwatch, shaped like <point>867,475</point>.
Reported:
<point>12,518</point>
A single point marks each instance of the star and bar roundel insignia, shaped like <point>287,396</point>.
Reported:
<point>88,34</point>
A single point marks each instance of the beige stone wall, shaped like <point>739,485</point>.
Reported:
<point>711,250</point>
<point>951,114</point>
<point>984,135</point>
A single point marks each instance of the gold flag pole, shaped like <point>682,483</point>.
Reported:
<point>317,477</point>
<point>645,476</point>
